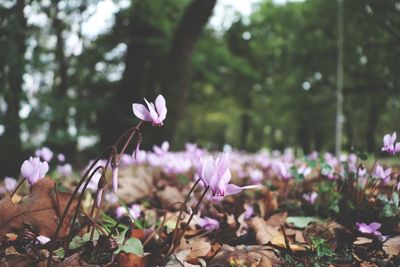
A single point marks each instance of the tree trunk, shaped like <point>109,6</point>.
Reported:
<point>11,156</point>
<point>177,72</point>
<point>139,78</point>
<point>59,137</point>
<point>374,112</point>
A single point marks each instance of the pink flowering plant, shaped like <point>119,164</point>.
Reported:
<point>224,198</point>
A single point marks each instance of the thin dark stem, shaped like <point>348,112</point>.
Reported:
<point>173,245</point>
<point>91,219</point>
<point>181,210</point>
<point>134,131</point>
<point>16,188</point>
<point>81,197</point>
<point>162,222</point>
<point>76,191</point>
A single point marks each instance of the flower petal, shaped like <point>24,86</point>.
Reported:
<point>141,112</point>
<point>207,170</point>
<point>224,181</point>
<point>374,226</point>
<point>233,189</point>
<point>152,112</point>
<point>161,107</point>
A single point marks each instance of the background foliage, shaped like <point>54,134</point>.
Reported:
<point>266,80</point>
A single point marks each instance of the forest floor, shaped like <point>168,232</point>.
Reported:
<point>309,211</point>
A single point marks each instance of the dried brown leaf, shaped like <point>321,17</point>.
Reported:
<point>264,232</point>
<point>268,203</point>
<point>170,195</point>
<point>199,248</point>
<point>41,208</point>
<point>245,256</point>
<point>392,246</point>
<point>136,183</point>
<point>277,220</point>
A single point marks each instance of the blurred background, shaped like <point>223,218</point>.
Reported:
<point>249,73</point>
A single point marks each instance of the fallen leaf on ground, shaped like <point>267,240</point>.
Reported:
<point>137,185</point>
<point>198,248</point>
<point>245,256</point>
<point>392,246</point>
<point>277,220</point>
<point>130,260</point>
<point>362,241</point>
<point>279,241</point>
<point>170,195</point>
<point>264,232</point>
<point>268,203</point>
<point>41,209</point>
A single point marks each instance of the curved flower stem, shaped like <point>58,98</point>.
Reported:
<point>181,210</point>
<point>114,149</point>
<point>17,187</point>
<point>91,219</point>
<point>173,245</point>
<point>76,191</point>
<point>80,199</point>
<point>162,222</point>
<point>97,213</point>
<point>130,133</point>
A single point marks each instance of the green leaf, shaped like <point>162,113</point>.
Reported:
<point>302,221</point>
<point>78,241</point>
<point>395,198</point>
<point>60,252</point>
<point>133,245</point>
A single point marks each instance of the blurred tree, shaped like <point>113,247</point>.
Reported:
<point>12,68</point>
<point>157,61</point>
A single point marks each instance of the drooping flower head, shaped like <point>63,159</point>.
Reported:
<point>34,169</point>
<point>390,145</point>
<point>114,172</point>
<point>153,113</point>
<point>216,175</point>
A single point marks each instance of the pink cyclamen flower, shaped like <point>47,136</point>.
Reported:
<point>45,153</point>
<point>161,150</point>
<point>207,223</point>
<point>134,211</point>
<point>249,211</point>
<point>216,175</point>
<point>153,113</point>
<point>61,157</point>
<point>64,170</point>
<point>390,145</point>
<point>283,170</point>
<point>10,184</point>
<point>34,169</point>
<point>371,228</point>
<point>383,174</point>
<point>311,197</point>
